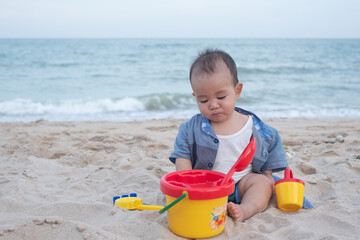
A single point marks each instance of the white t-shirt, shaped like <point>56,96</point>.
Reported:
<point>230,148</point>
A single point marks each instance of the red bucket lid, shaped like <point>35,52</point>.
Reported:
<point>288,177</point>
<point>199,184</point>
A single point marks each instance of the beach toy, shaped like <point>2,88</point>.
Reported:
<point>133,202</point>
<point>184,195</point>
<point>196,199</point>
<point>289,192</point>
<point>243,161</point>
<point>202,213</point>
<point>196,202</point>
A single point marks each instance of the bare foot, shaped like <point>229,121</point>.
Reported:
<point>236,211</point>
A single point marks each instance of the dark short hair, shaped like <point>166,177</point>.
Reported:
<point>207,60</point>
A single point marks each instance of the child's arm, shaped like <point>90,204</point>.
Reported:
<point>183,164</point>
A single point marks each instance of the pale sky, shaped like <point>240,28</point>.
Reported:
<point>180,18</point>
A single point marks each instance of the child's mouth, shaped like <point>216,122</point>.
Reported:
<point>217,114</point>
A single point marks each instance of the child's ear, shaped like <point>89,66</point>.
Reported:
<point>193,94</point>
<point>238,89</point>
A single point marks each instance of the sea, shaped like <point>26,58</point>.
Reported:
<point>139,79</point>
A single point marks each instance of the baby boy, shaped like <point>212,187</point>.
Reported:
<point>216,137</point>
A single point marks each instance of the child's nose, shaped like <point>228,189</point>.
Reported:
<point>214,104</point>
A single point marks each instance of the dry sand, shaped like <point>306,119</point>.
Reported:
<point>57,180</point>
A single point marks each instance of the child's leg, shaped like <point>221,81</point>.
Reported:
<point>255,191</point>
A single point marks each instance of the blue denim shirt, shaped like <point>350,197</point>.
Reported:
<point>198,142</point>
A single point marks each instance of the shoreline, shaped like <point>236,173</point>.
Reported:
<point>58,178</point>
<point>181,119</point>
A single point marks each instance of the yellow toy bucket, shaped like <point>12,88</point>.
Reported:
<point>202,213</point>
<point>289,192</point>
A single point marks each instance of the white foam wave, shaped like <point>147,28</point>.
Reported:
<point>156,106</point>
<point>150,107</point>
<point>307,111</point>
<point>26,106</point>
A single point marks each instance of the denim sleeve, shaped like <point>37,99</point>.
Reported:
<point>276,159</point>
<point>181,145</point>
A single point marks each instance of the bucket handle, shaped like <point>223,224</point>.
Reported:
<point>288,173</point>
<point>167,207</point>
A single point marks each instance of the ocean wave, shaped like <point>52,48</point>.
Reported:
<point>167,101</point>
<point>277,70</point>
<point>153,102</point>
<point>42,64</point>
<point>153,106</point>
<point>27,106</point>
<point>102,75</point>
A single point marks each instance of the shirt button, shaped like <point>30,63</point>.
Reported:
<point>210,165</point>
<point>216,141</point>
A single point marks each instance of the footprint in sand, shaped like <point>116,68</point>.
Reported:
<point>329,153</point>
<point>306,169</point>
<point>97,138</point>
<point>348,165</point>
<point>292,143</point>
<point>325,190</point>
<point>160,173</point>
<point>163,129</point>
<point>354,143</point>
<point>156,147</point>
<point>100,147</point>
<point>336,224</point>
<point>126,167</point>
<point>57,155</point>
<point>269,225</point>
<point>314,128</point>
<point>136,140</point>
<point>297,234</point>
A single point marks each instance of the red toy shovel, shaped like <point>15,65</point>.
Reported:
<point>243,161</point>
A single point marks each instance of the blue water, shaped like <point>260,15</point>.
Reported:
<point>136,79</point>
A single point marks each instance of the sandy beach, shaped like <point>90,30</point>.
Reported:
<point>57,180</point>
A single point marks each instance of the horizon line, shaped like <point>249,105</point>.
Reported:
<point>278,38</point>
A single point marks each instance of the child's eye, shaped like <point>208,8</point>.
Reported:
<point>203,101</point>
<point>221,97</point>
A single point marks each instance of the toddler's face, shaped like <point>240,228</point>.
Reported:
<point>215,93</point>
